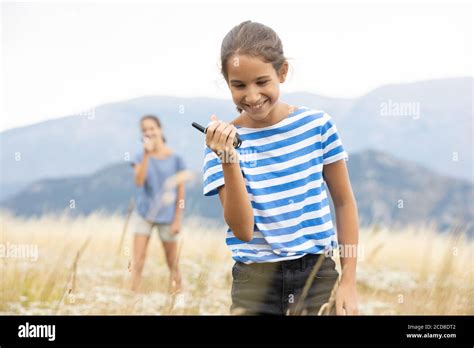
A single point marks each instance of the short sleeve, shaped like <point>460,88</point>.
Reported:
<point>180,164</point>
<point>331,143</point>
<point>213,176</point>
<point>136,159</point>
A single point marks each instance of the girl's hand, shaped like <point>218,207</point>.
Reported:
<point>175,226</point>
<point>148,145</point>
<point>346,299</point>
<point>220,137</point>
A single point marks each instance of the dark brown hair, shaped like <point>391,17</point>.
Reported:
<point>156,120</point>
<point>253,39</point>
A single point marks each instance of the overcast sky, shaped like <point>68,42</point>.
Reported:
<point>60,59</point>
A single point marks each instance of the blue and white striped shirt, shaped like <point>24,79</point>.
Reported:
<point>282,167</point>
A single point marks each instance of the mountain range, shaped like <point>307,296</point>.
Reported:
<point>388,191</point>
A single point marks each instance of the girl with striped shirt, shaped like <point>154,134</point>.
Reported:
<point>273,188</point>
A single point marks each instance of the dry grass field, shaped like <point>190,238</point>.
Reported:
<point>63,265</point>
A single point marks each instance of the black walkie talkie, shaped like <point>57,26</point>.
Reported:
<point>237,140</point>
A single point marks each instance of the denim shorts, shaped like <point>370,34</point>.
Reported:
<point>275,288</point>
<point>144,227</point>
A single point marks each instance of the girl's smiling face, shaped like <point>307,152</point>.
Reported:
<point>254,85</point>
<point>151,130</point>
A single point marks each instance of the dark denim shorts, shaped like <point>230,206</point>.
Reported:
<point>275,288</point>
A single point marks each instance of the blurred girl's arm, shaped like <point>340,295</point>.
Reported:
<point>179,203</point>
<point>141,170</point>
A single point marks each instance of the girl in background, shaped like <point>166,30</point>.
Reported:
<point>272,188</point>
<point>159,201</point>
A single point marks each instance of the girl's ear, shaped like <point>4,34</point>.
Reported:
<point>283,72</point>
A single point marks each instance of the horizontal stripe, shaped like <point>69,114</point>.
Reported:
<point>290,204</point>
<point>307,229</point>
<point>283,187</point>
<point>292,214</point>
<point>287,200</point>
<point>320,236</point>
<point>301,224</point>
<point>285,172</point>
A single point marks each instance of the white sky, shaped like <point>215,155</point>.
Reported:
<point>63,58</point>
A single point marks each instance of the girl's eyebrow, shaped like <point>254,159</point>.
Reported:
<point>258,78</point>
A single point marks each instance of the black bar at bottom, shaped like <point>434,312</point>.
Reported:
<point>104,330</point>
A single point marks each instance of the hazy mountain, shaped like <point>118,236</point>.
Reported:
<point>429,122</point>
<point>388,191</point>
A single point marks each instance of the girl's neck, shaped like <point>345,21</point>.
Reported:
<point>161,150</point>
<point>279,113</point>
